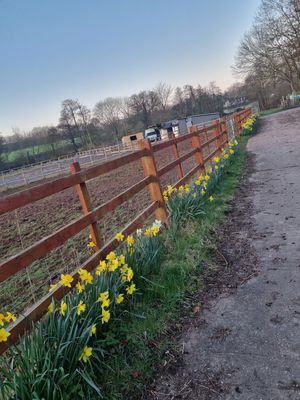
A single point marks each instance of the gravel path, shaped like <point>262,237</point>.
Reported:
<point>246,343</point>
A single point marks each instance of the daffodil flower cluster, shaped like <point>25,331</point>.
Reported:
<point>99,293</point>
<point>249,125</point>
<point>188,199</point>
<point>4,320</point>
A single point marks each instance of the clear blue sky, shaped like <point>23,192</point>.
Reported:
<point>51,50</point>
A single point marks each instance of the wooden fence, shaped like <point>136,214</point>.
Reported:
<point>206,142</point>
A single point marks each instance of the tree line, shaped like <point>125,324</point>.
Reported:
<point>268,58</point>
<point>267,62</point>
<point>81,128</point>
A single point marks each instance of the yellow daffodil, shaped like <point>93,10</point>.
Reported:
<point>226,156</point>
<point>120,298</point>
<point>2,319</point>
<point>10,317</point>
<point>105,316</point>
<point>209,170</point>
<point>91,244</point>
<point>130,240</point>
<point>113,265</point>
<point>85,276</point>
<point>63,308</point>
<point>216,167</point>
<point>119,236</point>
<point>155,230</point>
<point>81,307</point>
<point>187,188</point>
<point>104,299</point>
<point>111,256</point>
<point>124,268</point>
<point>80,287</point>
<point>181,188</point>
<point>197,182</point>
<point>66,280</point>
<point>101,268</point>
<point>148,232</point>
<point>129,274</point>
<point>211,198</point>
<point>52,287</point>
<point>122,259</point>
<point>205,185</point>
<point>203,192</point>
<point>50,308</point>
<point>216,159</point>
<point>207,177</point>
<point>131,289</point>
<point>231,151</point>
<point>86,353</point>
<point>4,334</point>
<point>93,330</point>
<point>103,295</point>
<point>170,190</point>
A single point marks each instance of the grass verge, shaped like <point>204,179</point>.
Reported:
<point>140,340</point>
<point>270,111</point>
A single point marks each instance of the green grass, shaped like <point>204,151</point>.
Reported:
<point>270,111</point>
<point>35,150</point>
<point>143,337</point>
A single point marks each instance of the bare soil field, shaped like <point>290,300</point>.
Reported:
<point>23,227</point>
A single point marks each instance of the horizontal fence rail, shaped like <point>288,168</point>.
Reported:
<point>205,143</point>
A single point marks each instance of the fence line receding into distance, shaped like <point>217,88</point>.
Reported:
<point>205,143</point>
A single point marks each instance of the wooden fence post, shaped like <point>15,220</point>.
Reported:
<point>216,133</point>
<point>224,130</point>
<point>196,144</point>
<point>85,201</point>
<point>236,124</point>
<point>176,155</point>
<point>150,169</point>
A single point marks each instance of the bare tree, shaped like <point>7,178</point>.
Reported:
<point>144,103</point>
<point>85,117</point>
<point>68,121</point>
<point>109,112</point>
<point>164,94</point>
<point>271,49</point>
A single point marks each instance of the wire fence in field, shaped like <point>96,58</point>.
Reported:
<point>35,172</point>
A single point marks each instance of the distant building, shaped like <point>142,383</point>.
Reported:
<point>181,126</point>
<point>130,139</point>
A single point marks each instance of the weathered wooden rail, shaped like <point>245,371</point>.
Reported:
<point>205,142</point>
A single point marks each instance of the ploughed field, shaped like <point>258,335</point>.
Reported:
<point>23,227</point>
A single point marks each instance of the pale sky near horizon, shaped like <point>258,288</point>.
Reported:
<point>91,49</point>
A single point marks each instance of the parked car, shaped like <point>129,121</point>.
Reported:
<point>153,134</point>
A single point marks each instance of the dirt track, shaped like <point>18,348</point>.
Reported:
<point>245,344</point>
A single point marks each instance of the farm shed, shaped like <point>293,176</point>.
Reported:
<point>181,126</point>
<point>201,119</point>
<point>126,140</point>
